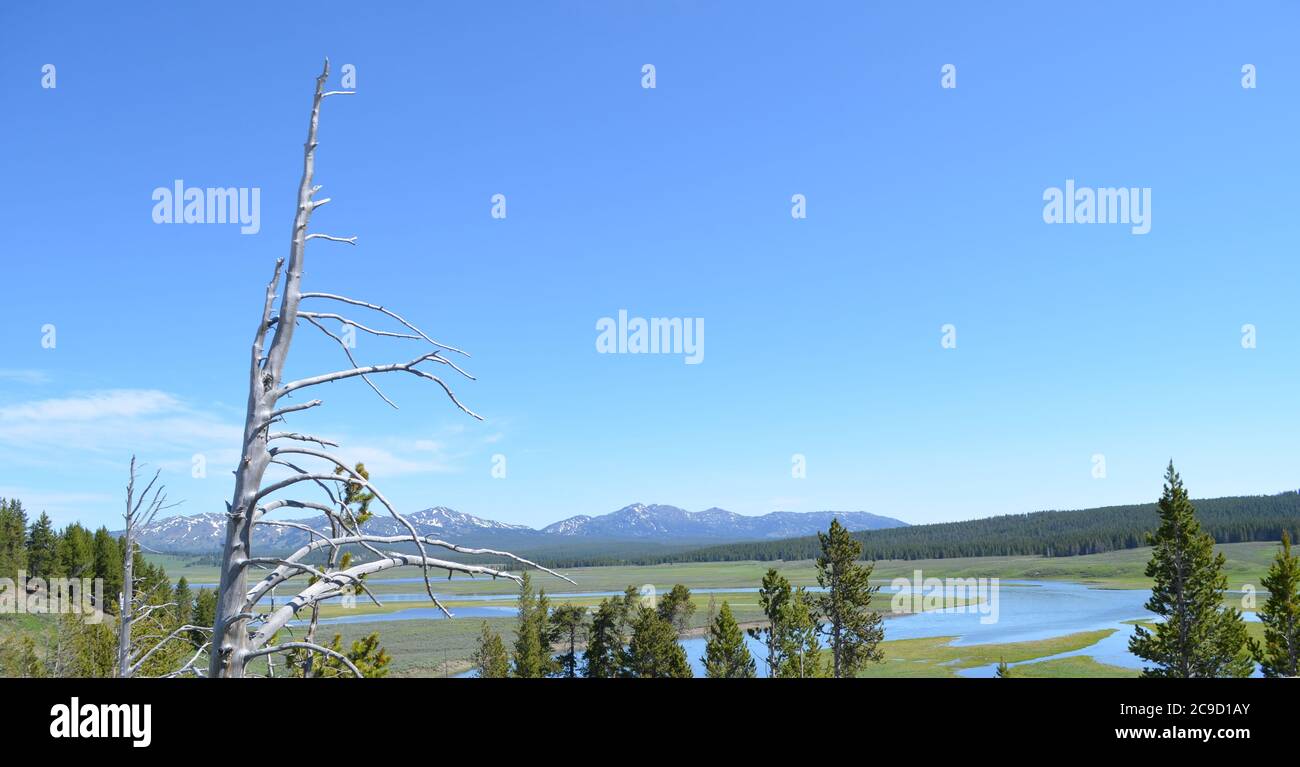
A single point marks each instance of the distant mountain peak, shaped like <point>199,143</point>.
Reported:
<point>669,523</point>
<point>201,533</point>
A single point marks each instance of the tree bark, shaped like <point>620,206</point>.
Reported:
<point>230,629</point>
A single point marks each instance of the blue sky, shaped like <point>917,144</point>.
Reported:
<point>924,207</point>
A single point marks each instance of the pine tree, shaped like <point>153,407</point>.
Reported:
<point>1278,656</point>
<point>1198,637</point>
<point>108,566</point>
<point>800,645</point>
<point>76,552</point>
<point>13,538</point>
<point>853,629</point>
<point>653,652</point>
<point>183,596</point>
<point>205,612</point>
<point>365,654</point>
<point>677,608</point>
<point>19,659</point>
<point>42,559</point>
<point>532,640</point>
<point>568,625</point>
<point>725,654</point>
<point>490,658</point>
<point>86,649</point>
<point>772,597</point>
<point>605,654</point>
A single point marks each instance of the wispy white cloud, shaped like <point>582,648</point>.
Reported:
<point>25,376</point>
<point>111,423</point>
<point>74,448</point>
<point>397,457</point>
<point>95,405</point>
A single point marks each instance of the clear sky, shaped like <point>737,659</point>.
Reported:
<point>822,335</point>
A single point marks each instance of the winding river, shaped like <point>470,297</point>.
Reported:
<point>1027,611</point>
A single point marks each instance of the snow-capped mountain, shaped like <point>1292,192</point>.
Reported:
<point>202,533</point>
<point>670,523</point>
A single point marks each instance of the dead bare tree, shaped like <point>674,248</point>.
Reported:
<point>240,632</point>
<point>134,609</point>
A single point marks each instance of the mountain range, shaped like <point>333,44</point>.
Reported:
<point>657,523</point>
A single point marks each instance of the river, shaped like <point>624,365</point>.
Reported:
<point>1027,611</point>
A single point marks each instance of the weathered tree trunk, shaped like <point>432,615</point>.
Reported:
<point>238,634</point>
<point>230,630</point>
<point>126,599</point>
<point>140,511</point>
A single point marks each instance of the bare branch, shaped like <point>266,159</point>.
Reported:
<point>189,665</point>
<point>147,610</point>
<point>382,310</point>
<point>282,574</point>
<point>379,496</point>
<point>357,325</point>
<point>301,476</point>
<point>260,338</point>
<point>293,504</point>
<point>348,352</point>
<point>323,590</point>
<point>407,367</point>
<point>291,409</point>
<point>313,648</point>
<point>350,526</point>
<point>300,437</point>
<point>348,240</point>
<point>137,662</point>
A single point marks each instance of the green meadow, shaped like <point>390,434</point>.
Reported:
<point>938,657</point>
<point>1246,563</point>
<point>425,647</point>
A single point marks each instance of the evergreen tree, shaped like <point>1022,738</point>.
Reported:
<point>42,558</point>
<point>86,649</point>
<point>13,538</point>
<point>532,640</point>
<point>653,652</point>
<point>1278,656</point>
<point>205,612</point>
<point>108,566</point>
<point>677,608</point>
<point>490,658</point>
<point>568,624</point>
<point>606,655</point>
<point>19,659</point>
<point>366,654</point>
<point>76,552</point>
<point>853,629</point>
<point>725,654</point>
<point>1198,637</point>
<point>800,647</point>
<point>184,599</point>
<point>772,597</point>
